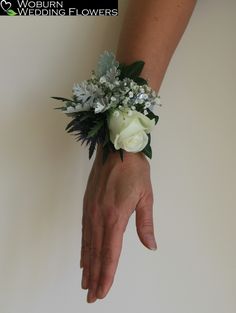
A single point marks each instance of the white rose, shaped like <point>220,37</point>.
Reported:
<point>129,132</point>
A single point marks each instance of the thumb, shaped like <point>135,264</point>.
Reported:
<point>144,223</point>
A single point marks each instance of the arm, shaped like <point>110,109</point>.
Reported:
<point>151,32</point>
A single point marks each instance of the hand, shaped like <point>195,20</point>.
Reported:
<point>114,190</point>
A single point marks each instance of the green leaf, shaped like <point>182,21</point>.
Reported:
<point>148,151</point>
<point>92,149</point>
<point>71,124</point>
<point>133,70</point>
<point>121,151</point>
<point>106,140</point>
<point>60,108</point>
<point>61,99</point>
<point>151,115</point>
<point>95,128</point>
<point>140,81</point>
<point>83,118</point>
<point>11,12</point>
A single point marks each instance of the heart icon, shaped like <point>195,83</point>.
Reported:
<point>5,5</point>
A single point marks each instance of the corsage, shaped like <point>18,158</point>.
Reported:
<point>114,108</point>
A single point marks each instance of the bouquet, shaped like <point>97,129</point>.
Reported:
<point>114,108</point>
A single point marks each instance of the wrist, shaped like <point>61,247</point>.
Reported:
<point>115,155</point>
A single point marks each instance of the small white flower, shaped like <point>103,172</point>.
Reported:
<point>135,88</point>
<point>131,94</point>
<point>154,94</point>
<point>113,99</point>
<point>70,110</point>
<point>147,104</point>
<point>145,96</point>
<point>145,112</point>
<point>111,86</point>
<point>102,80</point>
<point>99,107</point>
<point>158,101</point>
<point>131,85</point>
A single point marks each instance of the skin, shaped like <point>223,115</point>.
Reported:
<point>151,32</point>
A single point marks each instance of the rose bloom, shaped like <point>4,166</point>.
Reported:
<point>129,129</point>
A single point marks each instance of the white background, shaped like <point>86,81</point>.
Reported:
<point>44,170</point>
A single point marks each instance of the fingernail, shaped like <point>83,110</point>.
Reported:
<point>150,242</point>
<point>153,245</point>
<point>91,297</point>
<point>153,248</point>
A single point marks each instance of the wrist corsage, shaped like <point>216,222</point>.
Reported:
<point>114,108</point>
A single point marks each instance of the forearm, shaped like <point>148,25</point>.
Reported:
<point>151,31</point>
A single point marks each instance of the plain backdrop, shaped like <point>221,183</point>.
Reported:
<point>44,170</point>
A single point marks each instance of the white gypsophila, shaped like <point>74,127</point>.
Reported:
<point>104,90</point>
<point>131,95</point>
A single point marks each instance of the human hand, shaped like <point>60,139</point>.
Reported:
<point>114,190</point>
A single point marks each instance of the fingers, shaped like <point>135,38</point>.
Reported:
<point>100,252</point>
<point>86,241</point>
<point>82,242</point>
<point>83,232</point>
<point>144,222</point>
<point>95,261</point>
<point>110,253</point>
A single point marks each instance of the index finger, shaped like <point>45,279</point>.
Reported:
<point>111,249</point>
